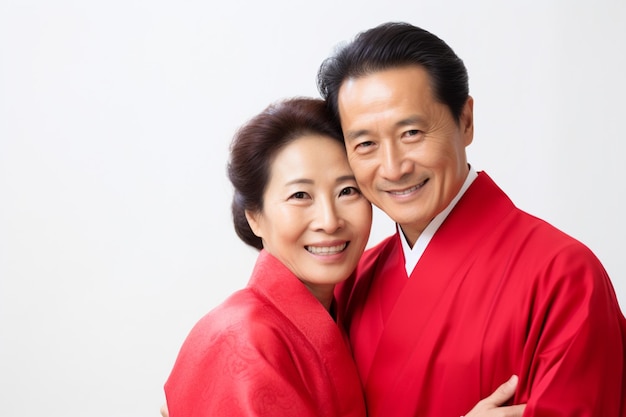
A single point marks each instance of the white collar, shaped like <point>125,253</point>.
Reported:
<point>413,255</point>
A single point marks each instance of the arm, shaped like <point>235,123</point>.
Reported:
<point>233,374</point>
<point>489,406</point>
<point>574,356</point>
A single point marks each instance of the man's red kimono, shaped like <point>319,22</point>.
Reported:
<point>497,292</point>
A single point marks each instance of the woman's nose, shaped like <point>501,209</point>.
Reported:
<point>327,217</point>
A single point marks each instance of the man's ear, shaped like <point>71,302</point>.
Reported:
<point>467,120</point>
<point>253,221</point>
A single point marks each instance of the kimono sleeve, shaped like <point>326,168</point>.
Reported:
<point>575,349</point>
<point>236,373</point>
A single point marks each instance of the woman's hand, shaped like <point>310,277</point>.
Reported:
<point>490,406</point>
<point>164,412</point>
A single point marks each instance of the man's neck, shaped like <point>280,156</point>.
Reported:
<point>414,246</point>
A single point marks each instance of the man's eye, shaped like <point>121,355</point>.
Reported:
<point>365,144</point>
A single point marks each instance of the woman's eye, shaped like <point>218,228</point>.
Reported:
<point>350,191</point>
<point>299,195</point>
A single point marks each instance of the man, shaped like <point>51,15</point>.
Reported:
<point>470,289</point>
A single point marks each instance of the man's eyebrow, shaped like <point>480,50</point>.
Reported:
<point>352,135</point>
<point>407,121</point>
<point>411,120</point>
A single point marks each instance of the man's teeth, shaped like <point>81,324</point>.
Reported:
<point>407,191</point>
<point>326,250</point>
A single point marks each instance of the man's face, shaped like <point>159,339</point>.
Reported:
<point>406,151</point>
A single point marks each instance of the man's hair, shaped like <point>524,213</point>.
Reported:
<point>392,45</point>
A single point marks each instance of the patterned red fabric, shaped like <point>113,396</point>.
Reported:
<point>270,349</point>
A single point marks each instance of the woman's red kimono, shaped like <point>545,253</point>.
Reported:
<point>270,349</point>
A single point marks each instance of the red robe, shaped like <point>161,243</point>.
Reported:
<point>497,292</point>
<point>270,349</point>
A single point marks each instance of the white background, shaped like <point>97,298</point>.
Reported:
<point>115,119</point>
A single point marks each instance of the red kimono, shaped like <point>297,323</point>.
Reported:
<point>497,292</point>
<point>270,349</point>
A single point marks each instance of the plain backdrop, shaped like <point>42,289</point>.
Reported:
<point>115,121</point>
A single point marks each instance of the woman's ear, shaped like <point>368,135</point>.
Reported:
<point>253,221</point>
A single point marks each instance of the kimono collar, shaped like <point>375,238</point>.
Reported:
<point>413,255</point>
<point>274,281</point>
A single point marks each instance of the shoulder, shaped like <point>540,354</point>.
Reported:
<point>246,320</point>
<point>552,245</point>
<point>366,266</point>
<point>557,265</point>
<point>373,254</point>
<point>356,287</point>
<point>236,358</point>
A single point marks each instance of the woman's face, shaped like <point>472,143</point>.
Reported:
<point>314,218</point>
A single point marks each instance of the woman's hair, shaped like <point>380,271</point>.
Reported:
<point>257,142</point>
<point>393,45</point>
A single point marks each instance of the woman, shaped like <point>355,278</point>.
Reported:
<point>273,348</point>
<point>276,348</point>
